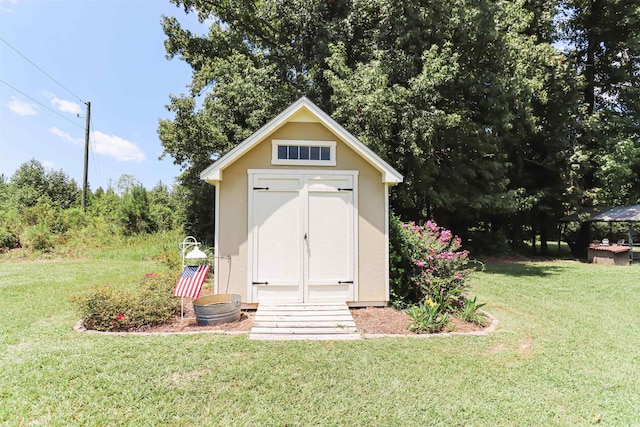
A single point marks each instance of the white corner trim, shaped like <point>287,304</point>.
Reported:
<point>386,242</point>
<point>216,241</point>
<point>250,235</point>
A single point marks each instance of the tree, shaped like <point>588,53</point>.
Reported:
<point>167,207</point>
<point>61,189</point>
<point>604,37</point>
<point>28,184</point>
<point>443,90</point>
<point>604,45</point>
<point>31,182</point>
<point>133,212</point>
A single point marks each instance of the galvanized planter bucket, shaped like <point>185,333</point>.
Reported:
<point>220,308</point>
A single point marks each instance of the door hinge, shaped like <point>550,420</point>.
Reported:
<point>345,189</point>
<point>340,282</point>
<point>260,283</point>
<point>261,188</point>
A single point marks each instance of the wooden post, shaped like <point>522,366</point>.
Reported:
<point>631,242</point>
<point>86,157</point>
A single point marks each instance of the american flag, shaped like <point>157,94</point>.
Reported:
<point>191,281</point>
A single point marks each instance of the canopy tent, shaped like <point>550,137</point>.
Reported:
<point>618,214</point>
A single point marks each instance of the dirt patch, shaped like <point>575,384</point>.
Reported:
<point>381,320</point>
<point>388,320</point>
<point>188,324</point>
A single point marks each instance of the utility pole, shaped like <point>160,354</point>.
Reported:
<point>86,157</point>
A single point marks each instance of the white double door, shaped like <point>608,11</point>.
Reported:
<point>302,236</point>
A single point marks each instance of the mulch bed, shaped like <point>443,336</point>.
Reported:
<point>370,320</point>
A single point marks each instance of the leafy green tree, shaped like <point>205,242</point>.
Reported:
<point>5,195</point>
<point>455,94</point>
<point>167,207</point>
<point>61,189</point>
<point>604,37</point>
<point>28,184</point>
<point>134,213</point>
<point>31,182</point>
<point>104,203</point>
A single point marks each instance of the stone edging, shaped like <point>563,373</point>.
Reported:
<point>79,327</point>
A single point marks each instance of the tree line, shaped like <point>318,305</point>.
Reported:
<point>502,116</point>
<point>41,209</point>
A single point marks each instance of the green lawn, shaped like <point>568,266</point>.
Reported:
<point>566,352</point>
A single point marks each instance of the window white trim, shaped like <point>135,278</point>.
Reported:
<point>275,143</point>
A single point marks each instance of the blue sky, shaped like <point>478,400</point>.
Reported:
<point>107,52</point>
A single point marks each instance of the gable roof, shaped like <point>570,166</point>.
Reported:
<point>301,110</point>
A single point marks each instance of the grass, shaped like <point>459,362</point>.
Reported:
<point>565,353</point>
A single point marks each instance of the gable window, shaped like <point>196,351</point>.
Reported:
<point>310,153</point>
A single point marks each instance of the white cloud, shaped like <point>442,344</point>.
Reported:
<point>118,148</point>
<point>65,136</point>
<point>48,165</point>
<point>6,9</point>
<point>22,108</point>
<point>66,106</point>
<point>107,145</point>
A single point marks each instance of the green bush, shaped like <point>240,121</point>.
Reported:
<point>150,303</point>
<point>170,258</point>
<point>8,239</point>
<point>38,237</point>
<point>133,212</point>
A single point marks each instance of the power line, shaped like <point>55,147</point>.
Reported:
<point>42,105</point>
<point>41,70</point>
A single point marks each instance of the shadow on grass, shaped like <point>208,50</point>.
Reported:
<point>523,268</point>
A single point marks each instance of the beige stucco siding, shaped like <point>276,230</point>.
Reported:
<point>232,275</point>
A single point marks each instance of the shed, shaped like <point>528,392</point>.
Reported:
<point>302,214</point>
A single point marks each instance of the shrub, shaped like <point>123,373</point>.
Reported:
<point>170,259</point>
<point>150,303</point>
<point>428,269</point>
<point>8,239</point>
<point>402,291</point>
<point>432,264</point>
<point>38,237</point>
<point>133,212</point>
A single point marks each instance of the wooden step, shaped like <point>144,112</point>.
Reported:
<point>306,324</point>
<point>315,321</point>
<point>301,318</point>
<point>292,337</point>
<point>302,331</point>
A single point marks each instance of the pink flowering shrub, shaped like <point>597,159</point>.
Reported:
<point>428,264</point>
